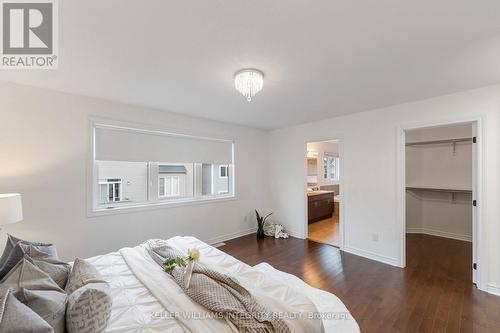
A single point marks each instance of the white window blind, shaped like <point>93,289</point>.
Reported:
<point>120,144</point>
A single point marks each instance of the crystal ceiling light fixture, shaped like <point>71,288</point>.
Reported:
<point>249,82</point>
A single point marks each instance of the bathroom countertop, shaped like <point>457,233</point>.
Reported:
<point>313,193</point>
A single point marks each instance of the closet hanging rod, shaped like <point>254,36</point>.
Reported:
<point>435,142</point>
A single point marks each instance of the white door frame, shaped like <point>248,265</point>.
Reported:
<point>479,193</point>
<point>342,219</point>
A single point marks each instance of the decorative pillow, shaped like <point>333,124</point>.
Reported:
<point>57,270</point>
<point>16,317</point>
<point>27,275</point>
<point>89,308</point>
<point>38,291</point>
<point>50,305</point>
<point>82,273</point>
<point>34,252</point>
<point>15,251</point>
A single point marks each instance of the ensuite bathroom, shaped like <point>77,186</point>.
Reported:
<point>323,192</point>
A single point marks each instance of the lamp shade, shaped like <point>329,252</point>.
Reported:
<point>11,210</point>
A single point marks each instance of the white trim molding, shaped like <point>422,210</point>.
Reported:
<point>372,256</point>
<point>493,289</point>
<point>296,234</point>
<point>480,192</point>
<point>92,189</point>
<point>339,138</point>
<point>233,235</point>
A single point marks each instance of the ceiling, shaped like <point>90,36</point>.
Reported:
<point>320,58</point>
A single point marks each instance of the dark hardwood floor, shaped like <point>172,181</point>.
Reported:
<point>434,293</point>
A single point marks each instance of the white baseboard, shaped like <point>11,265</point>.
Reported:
<point>373,256</point>
<point>438,233</point>
<point>223,238</point>
<point>296,234</point>
<point>493,289</point>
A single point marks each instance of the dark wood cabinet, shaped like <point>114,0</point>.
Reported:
<point>320,206</point>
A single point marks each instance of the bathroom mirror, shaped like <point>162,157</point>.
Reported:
<point>312,168</point>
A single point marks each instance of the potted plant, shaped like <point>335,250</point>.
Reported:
<point>261,220</point>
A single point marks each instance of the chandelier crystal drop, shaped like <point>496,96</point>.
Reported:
<point>249,82</point>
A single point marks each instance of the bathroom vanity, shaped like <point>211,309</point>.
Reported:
<point>320,205</point>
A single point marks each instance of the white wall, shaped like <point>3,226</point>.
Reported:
<point>44,153</point>
<point>369,171</point>
<point>437,166</point>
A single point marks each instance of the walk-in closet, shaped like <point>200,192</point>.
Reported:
<point>440,182</point>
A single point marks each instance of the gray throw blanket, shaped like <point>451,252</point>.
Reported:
<point>222,294</point>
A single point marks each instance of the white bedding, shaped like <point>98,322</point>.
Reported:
<point>139,309</point>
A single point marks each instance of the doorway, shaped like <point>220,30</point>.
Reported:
<point>441,177</point>
<point>323,193</point>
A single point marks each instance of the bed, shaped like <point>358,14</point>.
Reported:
<point>146,300</point>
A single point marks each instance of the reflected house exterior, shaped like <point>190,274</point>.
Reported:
<point>215,179</point>
<point>175,180</point>
<point>122,182</point>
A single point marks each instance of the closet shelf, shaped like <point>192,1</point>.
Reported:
<point>438,189</point>
<point>436,142</point>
